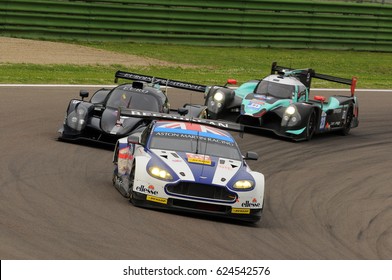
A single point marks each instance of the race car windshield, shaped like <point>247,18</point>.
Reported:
<point>195,144</point>
<point>277,90</point>
<point>132,100</point>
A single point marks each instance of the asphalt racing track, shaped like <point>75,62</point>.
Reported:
<point>329,198</point>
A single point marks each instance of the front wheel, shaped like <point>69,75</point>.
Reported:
<point>311,126</point>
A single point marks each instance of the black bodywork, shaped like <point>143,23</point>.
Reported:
<point>100,119</point>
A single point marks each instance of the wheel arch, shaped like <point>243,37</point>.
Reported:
<point>305,110</point>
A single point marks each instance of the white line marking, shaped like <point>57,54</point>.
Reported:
<point>38,85</point>
<point>110,86</point>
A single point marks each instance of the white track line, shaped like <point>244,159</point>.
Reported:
<point>101,86</point>
<point>39,85</point>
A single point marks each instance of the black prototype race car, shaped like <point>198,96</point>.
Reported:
<point>100,119</point>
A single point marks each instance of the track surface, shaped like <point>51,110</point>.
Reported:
<point>325,199</point>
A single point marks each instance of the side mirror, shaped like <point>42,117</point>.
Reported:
<point>132,139</point>
<point>320,98</point>
<point>251,156</point>
<point>183,111</point>
<point>231,82</point>
<point>83,94</point>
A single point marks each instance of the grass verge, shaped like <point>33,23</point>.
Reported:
<point>213,65</point>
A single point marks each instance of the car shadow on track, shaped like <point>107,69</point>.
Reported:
<point>87,143</point>
<point>204,216</point>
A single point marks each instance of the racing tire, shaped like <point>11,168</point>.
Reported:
<point>311,125</point>
<point>349,118</point>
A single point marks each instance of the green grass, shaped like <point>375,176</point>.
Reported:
<point>212,65</point>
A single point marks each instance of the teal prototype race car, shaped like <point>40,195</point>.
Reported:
<point>281,103</point>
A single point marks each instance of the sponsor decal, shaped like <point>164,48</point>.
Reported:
<point>134,89</point>
<point>335,123</point>
<point>150,190</point>
<point>344,115</point>
<point>240,211</point>
<point>124,154</point>
<point>180,118</point>
<point>195,137</point>
<point>308,76</point>
<point>200,159</point>
<point>252,203</point>
<point>162,81</point>
<point>226,167</point>
<point>255,105</point>
<point>322,121</point>
<point>192,127</point>
<point>337,111</point>
<point>256,101</point>
<point>122,161</point>
<point>157,199</point>
<point>262,97</point>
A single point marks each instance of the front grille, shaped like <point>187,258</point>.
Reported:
<point>201,206</point>
<point>201,191</point>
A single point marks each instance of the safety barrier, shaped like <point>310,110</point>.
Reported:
<point>246,23</point>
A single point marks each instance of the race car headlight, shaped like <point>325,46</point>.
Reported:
<point>290,110</point>
<point>219,96</point>
<point>243,185</point>
<point>77,119</point>
<point>160,173</point>
<point>81,111</point>
<point>291,117</point>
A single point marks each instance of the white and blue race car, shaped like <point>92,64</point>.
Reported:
<point>188,166</point>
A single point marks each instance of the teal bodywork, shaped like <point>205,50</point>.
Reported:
<point>261,103</point>
<point>246,88</point>
<point>257,105</point>
<point>281,103</point>
<point>333,103</point>
<point>296,132</point>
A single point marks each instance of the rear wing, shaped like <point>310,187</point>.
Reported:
<point>174,117</point>
<point>160,81</point>
<point>306,75</point>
